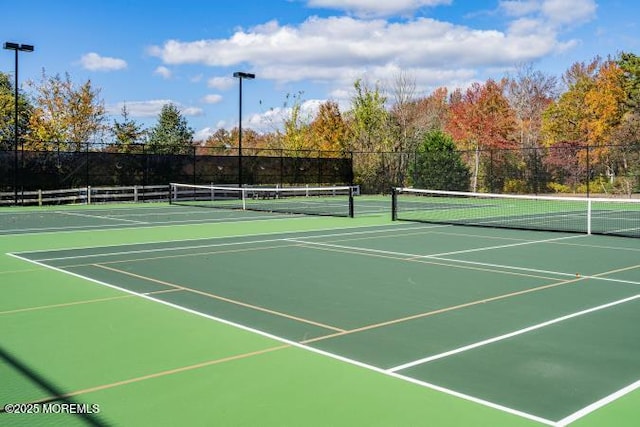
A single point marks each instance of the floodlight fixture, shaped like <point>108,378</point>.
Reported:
<point>241,76</point>
<point>17,47</point>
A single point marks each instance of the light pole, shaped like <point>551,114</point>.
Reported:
<point>240,75</point>
<point>17,48</point>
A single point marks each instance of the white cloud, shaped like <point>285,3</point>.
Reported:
<point>212,98</point>
<point>152,108</point>
<point>203,134</point>
<point>554,13</point>
<point>342,48</point>
<point>220,83</point>
<point>274,118</point>
<point>520,8</point>
<point>163,71</point>
<point>377,8</point>
<point>569,12</point>
<point>191,111</point>
<point>337,50</point>
<point>94,62</point>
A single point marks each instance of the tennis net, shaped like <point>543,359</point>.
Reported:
<point>328,201</point>
<point>608,216</point>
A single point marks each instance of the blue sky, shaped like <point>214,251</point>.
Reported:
<point>146,54</point>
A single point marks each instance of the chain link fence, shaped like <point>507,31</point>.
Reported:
<point>561,169</point>
<point>94,165</point>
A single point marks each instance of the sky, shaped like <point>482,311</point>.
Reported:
<point>145,54</point>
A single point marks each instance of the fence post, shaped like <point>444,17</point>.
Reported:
<point>282,167</point>
<point>88,171</point>
<point>194,166</point>
<point>536,185</point>
<point>351,174</point>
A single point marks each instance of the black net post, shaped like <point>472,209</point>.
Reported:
<point>394,204</point>
<point>351,213</point>
<point>171,192</point>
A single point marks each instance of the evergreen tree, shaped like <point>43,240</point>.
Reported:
<point>127,133</point>
<point>171,135</point>
<point>438,165</point>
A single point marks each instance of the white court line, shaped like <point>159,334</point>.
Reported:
<point>510,335</point>
<point>100,217</point>
<point>146,251</point>
<point>438,257</point>
<point>534,270</point>
<point>232,236</point>
<point>308,348</point>
<point>486,248</point>
<point>599,404</point>
<point>212,245</point>
<point>159,224</point>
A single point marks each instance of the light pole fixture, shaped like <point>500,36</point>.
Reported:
<point>17,48</point>
<point>240,76</point>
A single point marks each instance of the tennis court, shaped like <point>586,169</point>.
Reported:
<point>168,314</point>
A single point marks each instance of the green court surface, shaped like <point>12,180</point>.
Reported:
<point>153,315</point>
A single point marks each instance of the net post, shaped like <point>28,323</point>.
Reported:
<point>351,202</point>
<point>589,216</point>
<point>394,204</point>
<point>171,189</point>
<point>243,194</point>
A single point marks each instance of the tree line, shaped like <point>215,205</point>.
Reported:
<point>490,135</point>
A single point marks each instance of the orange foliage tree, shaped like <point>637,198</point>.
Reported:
<point>480,120</point>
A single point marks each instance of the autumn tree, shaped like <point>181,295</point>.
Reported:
<point>370,137</point>
<point>296,133</point>
<point>172,134</point>
<point>65,114</point>
<point>404,137</point>
<point>565,119</point>
<point>589,113</point>
<point>403,112</point>
<point>530,93</point>
<point>431,112</point>
<point>329,129</point>
<point>480,121</point>
<point>626,134</point>
<point>605,103</point>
